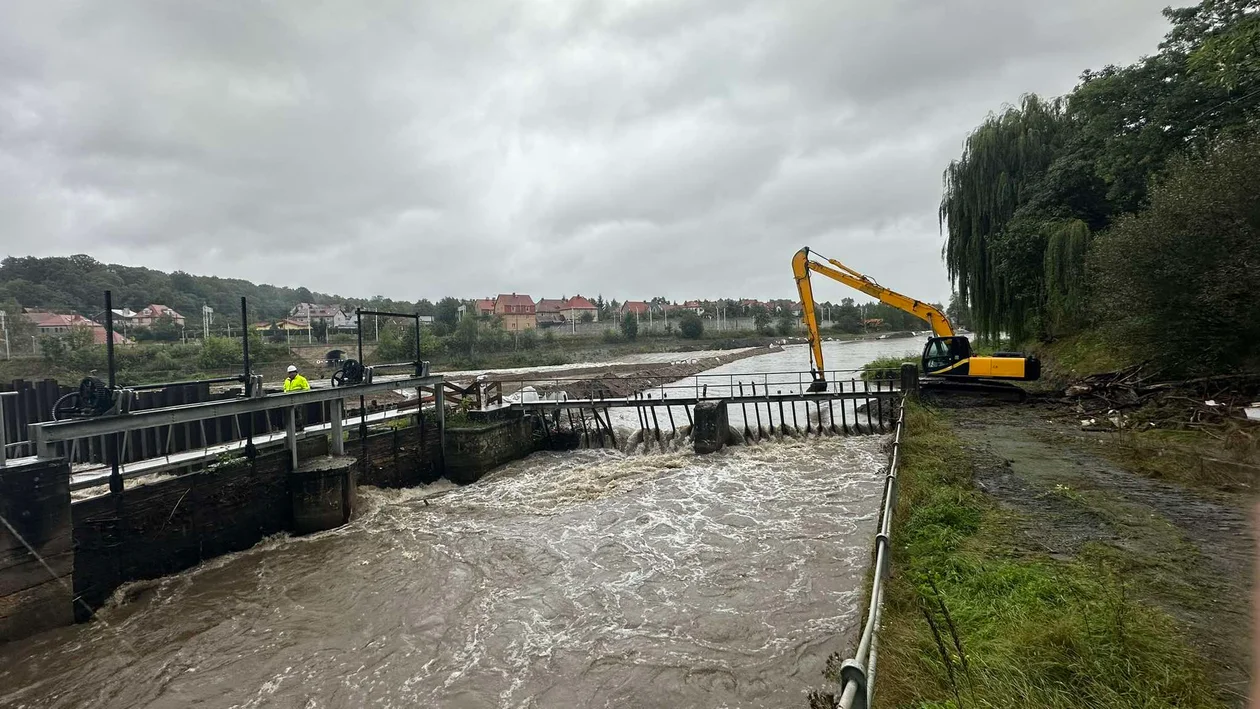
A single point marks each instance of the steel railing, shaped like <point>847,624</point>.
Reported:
<point>857,674</point>
<point>715,385</point>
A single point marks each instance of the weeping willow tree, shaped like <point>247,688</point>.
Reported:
<point>998,269</point>
<point>1067,244</point>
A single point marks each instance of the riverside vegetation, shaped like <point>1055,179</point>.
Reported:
<point>1042,562</point>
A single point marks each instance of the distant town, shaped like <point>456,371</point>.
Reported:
<point>516,311</point>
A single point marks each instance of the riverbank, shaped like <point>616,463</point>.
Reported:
<point>1029,570</point>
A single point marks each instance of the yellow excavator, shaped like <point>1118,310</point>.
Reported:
<point>946,355</point>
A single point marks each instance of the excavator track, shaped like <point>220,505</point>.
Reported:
<point>943,389</point>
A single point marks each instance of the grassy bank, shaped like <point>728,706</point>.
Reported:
<point>972,620</point>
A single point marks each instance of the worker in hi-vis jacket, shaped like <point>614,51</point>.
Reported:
<point>296,382</point>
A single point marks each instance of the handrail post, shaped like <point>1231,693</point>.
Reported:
<point>337,412</point>
<point>290,434</point>
<point>910,380</point>
<point>4,441</point>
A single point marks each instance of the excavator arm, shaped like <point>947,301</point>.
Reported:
<point>802,265</point>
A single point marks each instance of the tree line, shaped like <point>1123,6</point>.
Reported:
<point>77,283</point>
<point>1130,206</point>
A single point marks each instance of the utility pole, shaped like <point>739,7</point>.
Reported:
<point>207,317</point>
<point>4,326</point>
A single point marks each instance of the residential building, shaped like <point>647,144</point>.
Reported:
<point>547,311</point>
<point>285,324</point>
<point>150,314</point>
<point>694,306</point>
<point>785,307</point>
<point>57,325</point>
<point>516,310</point>
<point>638,307</point>
<point>345,322</point>
<point>577,306</point>
<point>315,312</point>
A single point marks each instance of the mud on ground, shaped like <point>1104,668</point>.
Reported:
<point>1188,551</point>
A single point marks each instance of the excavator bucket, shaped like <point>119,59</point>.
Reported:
<point>818,385</point>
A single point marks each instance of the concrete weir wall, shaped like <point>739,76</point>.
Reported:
<point>473,452</point>
<point>166,525</point>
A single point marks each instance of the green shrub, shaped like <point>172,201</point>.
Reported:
<point>219,353</point>
<point>691,326</point>
<point>630,326</point>
<point>1176,283</point>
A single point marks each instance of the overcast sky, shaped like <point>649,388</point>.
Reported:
<point>421,149</point>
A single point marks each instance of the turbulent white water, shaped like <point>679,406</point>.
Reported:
<point>585,579</point>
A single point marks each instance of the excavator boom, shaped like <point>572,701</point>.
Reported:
<point>945,355</point>
<point>802,265</point>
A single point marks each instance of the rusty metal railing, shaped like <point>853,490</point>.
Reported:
<point>857,674</point>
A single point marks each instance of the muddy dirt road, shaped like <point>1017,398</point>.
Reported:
<point>1189,551</point>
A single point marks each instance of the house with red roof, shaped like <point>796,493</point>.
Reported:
<point>577,306</point>
<point>517,311</point>
<point>547,311</point>
<point>58,325</point>
<point>637,307</point>
<point>146,316</point>
<point>317,312</point>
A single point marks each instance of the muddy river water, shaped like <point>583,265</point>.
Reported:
<point>586,579</point>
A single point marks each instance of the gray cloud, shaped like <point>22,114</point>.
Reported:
<point>407,149</point>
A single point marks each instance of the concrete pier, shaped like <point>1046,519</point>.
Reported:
<point>711,427</point>
<point>322,491</point>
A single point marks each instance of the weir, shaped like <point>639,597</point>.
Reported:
<point>73,536</point>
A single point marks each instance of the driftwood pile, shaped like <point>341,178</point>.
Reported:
<point>1115,395</point>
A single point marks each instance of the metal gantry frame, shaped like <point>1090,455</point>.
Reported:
<point>46,436</point>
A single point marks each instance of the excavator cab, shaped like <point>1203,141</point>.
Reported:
<point>942,355</point>
<point>952,358</point>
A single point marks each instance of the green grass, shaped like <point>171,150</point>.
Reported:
<point>1007,629</point>
<point>1080,355</point>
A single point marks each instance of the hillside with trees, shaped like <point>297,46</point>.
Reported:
<point>76,283</point>
<point>1127,209</point>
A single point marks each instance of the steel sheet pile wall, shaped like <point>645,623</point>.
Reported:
<point>401,457</point>
<point>35,509</point>
<point>167,526</point>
